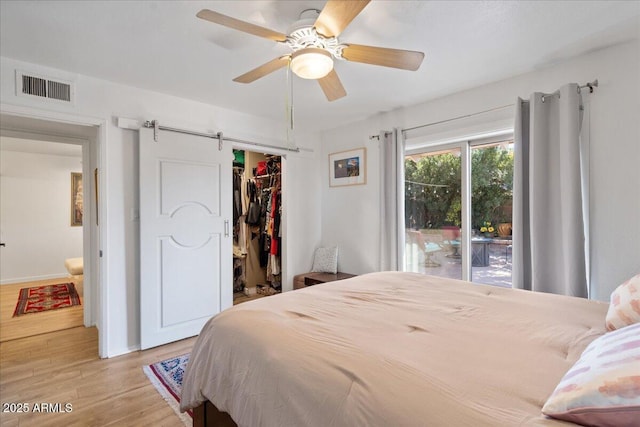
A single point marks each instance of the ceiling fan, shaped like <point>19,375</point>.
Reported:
<point>314,42</point>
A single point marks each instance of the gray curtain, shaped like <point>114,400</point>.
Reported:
<point>391,211</point>
<point>549,237</point>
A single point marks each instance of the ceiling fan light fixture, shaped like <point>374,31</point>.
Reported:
<point>311,63</point>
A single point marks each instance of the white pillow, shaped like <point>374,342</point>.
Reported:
<point>603,387</point>
<point>325,260</point>
<point>624,309</point>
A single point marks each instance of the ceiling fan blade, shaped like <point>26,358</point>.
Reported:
<point>331,86</point>
<point>263,70</point>
<point>394,58</point>
<point>236,24</point>
<point>337,14</point>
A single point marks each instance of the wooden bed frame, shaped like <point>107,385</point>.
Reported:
<point>207,415</point>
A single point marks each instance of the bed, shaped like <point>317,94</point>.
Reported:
<point>389,349</point>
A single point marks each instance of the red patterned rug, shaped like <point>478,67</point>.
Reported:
<point>48,297</point>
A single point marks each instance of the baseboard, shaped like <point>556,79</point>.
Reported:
<point>62,275</point>
<point>122,351</point>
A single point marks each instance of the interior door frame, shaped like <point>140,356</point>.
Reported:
<point>95,307</point>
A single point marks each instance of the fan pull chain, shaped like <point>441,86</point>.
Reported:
<point>289,106</point>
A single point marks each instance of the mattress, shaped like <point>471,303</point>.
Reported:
<point>391,348</point>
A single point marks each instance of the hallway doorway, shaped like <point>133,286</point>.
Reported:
<point>41,162</point>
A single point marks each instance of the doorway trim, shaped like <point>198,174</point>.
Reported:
<point>93,313</point>
<point>284,187</point>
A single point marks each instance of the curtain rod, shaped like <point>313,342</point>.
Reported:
<point>590,85</point>
<point>386,133</point>
<point>219,136</point>
<point>458,118</point>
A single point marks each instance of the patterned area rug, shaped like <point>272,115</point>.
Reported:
<point>48,297</point>
<point>166,377</point>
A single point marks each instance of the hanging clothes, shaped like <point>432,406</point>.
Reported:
<point>242,234</point>
<point>254,209</point>
<point>237,194</point>
<point>273,234</point>
<point>265,236</point>
<point>260,210</point>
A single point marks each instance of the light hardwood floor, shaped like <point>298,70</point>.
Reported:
<point>35,323</point>
<point>64,367</point>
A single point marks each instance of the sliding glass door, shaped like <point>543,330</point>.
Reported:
<point>491,201</point>
<point>458,211</point>
<point>433,213</point>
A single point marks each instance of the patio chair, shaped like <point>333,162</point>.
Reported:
<point>451,240</point>
<point>433,243</point>
<point>427,247</point>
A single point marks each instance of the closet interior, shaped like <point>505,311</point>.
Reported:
<point>257,210</point>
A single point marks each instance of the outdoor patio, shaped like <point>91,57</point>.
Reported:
<point>497,273</point>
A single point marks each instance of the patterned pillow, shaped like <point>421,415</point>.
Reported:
<point>625,304</point>
<point>603,387</point>
<point>325,260</point>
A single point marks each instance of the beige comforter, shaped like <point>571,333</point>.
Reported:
<point>391,349</point>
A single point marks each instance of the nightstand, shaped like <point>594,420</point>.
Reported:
<point>309,279</point>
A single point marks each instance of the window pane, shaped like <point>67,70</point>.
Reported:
<point>491,205</point>
<point>433,213</point>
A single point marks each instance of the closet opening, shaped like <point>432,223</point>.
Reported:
<point>257,237</point>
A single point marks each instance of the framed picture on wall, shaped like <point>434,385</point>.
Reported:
<point>348,168</point>
<point>76,199</point>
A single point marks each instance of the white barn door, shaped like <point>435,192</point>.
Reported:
<point>185,234</point>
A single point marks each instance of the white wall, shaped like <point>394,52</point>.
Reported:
<point>615,156</point>
<point>301,210</point>
<point>35,215</point>
<point>104,100</point>
<point>350,214</point>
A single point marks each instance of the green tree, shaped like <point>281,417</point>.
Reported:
<point>433,192</point>
<point>491,185</point>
